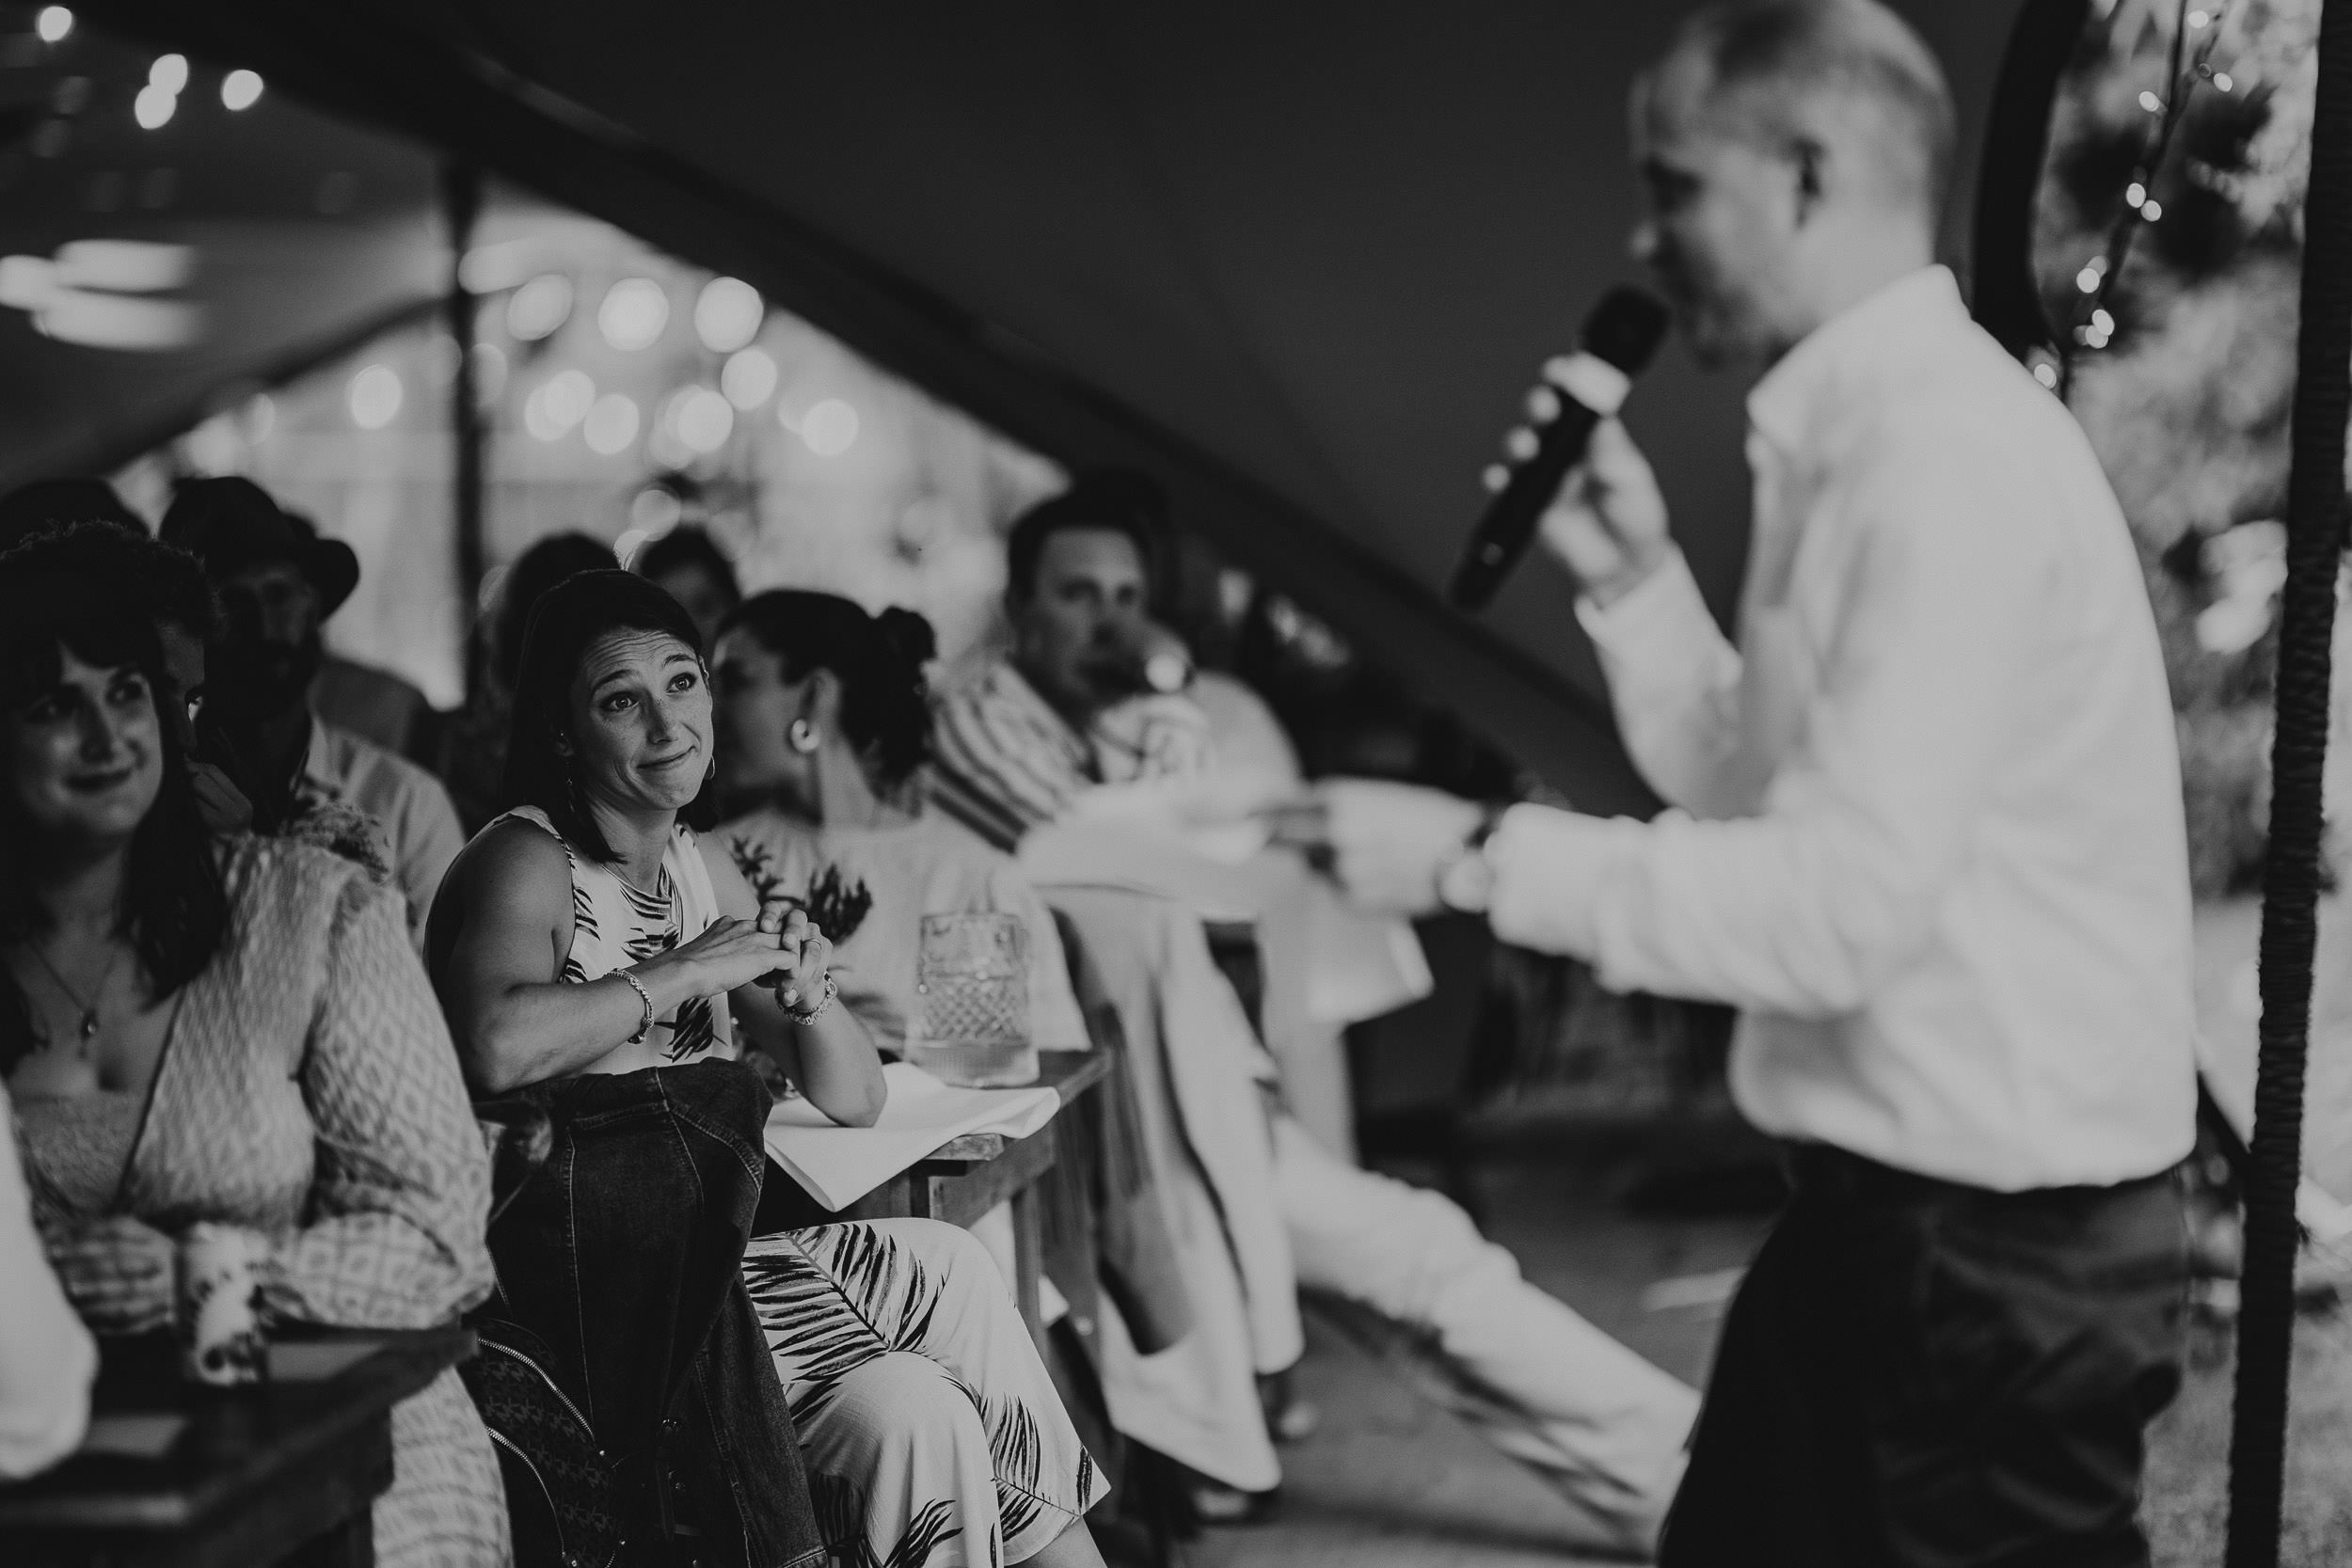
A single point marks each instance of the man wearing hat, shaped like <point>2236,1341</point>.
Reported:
<point>278,581</point>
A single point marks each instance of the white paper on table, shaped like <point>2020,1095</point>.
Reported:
<point>837,1165</point>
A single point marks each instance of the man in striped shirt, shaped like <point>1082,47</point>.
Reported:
<point>1070,708</point>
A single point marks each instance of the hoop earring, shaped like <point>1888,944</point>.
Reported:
<point>802,737</point>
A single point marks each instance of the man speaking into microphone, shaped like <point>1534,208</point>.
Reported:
<point>1928,837</point>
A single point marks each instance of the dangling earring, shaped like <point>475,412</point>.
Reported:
<point>802,737</point>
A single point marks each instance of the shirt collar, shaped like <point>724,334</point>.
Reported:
<point>1836,359</point>
<point>318,763</point>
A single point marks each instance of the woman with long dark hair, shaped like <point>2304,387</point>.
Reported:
<point>232,1032</point>
<point>598,956</point>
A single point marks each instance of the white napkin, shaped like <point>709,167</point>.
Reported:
<point>837,1165</point>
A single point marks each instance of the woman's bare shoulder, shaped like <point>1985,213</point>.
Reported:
<point>515,867</point>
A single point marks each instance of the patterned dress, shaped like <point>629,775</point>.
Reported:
<point>933,1436</point>
<point>615,925</point>
<point>307,1091</point>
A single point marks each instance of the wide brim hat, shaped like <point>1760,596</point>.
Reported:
<point>231,523</point>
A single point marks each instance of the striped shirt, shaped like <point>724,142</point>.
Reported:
<point>1004,761</point>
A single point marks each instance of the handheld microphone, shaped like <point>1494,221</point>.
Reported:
<point>1579,391</point>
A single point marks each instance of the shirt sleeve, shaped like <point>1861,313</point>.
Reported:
<point>1674,680</point>
<point>430,839</point>
<point>1803,908</point>
<point>47,1358</point>
<point>393,1233</point>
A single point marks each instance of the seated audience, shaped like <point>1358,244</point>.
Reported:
<point>824,717</point>
<point>278,583</point>
<point>47,1358</point>
<point>1017,748</point>
<point>471,753</point>
<point>597,955</point>
<point>688,563</point>
<point>380,708</point>
<point>164,585</point>
<point>231,1032</point>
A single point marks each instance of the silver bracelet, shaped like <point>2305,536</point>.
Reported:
<point>645,1025</point>
<point>832,988</point>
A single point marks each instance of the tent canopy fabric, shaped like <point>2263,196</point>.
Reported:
<point>298,234</point>
<point>1302,261</point>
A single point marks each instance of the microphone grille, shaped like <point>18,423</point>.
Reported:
<point>1625,330</point>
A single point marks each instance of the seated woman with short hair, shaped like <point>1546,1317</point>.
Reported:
<point>228,1031</point>
<point>596,954</point>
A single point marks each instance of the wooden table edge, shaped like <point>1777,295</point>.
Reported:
<point>429,1352</point>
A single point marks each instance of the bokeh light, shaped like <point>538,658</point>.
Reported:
<point>611,426</point>
<point>489,374</point>
<point>829,428</point>
<point>376,397</point>
<point>727,314</point>
<point>702,420</point>
<point>655,510</point>
<point>748,379</point>
<point>241,90</point>
<point>170,72</point>
<point>52,24</point>
<point>557,404</point>
<point>633,314</point>
<point>153,107</point>
<point>539,307</point>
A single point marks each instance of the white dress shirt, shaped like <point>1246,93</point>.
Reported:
<point>410,808</point>
<point>1930,836</point>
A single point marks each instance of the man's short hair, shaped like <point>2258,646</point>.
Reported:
<point>1775,58</point>
<point>1113,501</point>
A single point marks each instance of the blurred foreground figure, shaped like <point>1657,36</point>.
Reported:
<point>47,1358</point>
<point>1930,841</point>
<point>1024,750</point>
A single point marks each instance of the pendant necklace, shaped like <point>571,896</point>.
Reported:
<point>88,1008</point>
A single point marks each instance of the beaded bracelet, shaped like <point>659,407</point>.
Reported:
<point>832,988</point>
<point>645,1025</point>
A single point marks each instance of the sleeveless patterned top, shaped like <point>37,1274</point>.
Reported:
<point>615,925</point>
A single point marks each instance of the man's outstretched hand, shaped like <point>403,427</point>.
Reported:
<point>1386,844</point>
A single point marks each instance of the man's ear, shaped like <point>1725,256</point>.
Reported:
<point>1808,156</point>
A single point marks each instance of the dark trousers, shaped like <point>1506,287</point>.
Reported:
<point>623,1256</point>
<point>1921,1373</point>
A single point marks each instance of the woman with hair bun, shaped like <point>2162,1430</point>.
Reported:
<point>824,722</point>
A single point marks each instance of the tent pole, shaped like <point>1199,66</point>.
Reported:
<point>2006,296</point>
<point>2315,510</point>
<point>461,204</point>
